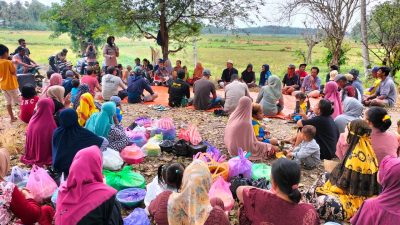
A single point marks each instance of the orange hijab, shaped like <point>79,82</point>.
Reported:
<point>198,71</point>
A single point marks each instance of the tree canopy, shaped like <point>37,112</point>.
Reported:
<point>22,16</point>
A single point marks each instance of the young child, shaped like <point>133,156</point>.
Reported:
<point>169,177</point>
<point>302,107</point>
<point>28,102</point>
<point>8,81</point>
<point>75,89</point>
<point>259,128</point>
<point>117,101</point>
<point>307,153</point>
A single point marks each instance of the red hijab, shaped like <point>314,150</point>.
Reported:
<point>39,134</point>
<point>84,189</point>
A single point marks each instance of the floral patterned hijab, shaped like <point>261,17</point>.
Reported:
<point>192,204</point>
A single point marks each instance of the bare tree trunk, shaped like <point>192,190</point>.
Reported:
<point>364,37</point>
<point>337,46</point>
<point>164,30</point>
<point>309,53</point>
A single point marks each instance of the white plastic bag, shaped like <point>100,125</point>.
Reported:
<point>112,160</point>
<point>18,176</point>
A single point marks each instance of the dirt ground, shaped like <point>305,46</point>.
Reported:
<point>12,137</point>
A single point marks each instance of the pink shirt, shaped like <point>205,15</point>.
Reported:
<point>92,82</point>
<point>27,107</point>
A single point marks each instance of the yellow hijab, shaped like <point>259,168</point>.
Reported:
<point>86,108</point>
<point>192,205</point>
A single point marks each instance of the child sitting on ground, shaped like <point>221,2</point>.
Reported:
<point>169,177</point>
<point>75,89</point>
<point>117,101</point>
<point>307,153</point>
<point>302,107</point>
<point>259,128</point>
<point>28,102</point>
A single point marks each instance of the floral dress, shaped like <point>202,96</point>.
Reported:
<point>6,216</point>
<point>117,138</point>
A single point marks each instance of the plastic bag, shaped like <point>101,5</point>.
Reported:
<point>168,134</point>
<point>261,170</point>
<point>214,152</point>
<point>137,217</point>
<point>238,181</point>
<point>191,135</point>
<point>131,197</point>
<point>40,184</point>
<point>143,121</point>
<point>126,178</point>
<point>152,148</point>
<point>132,154</point>
<point>220,189</point>
<point>18,176</point>
<point>240,165</point>
<point>261,183</point>
<point>137,138</point>
<point>167,146</point>
<point>112,160</point>
<point>165,124</point>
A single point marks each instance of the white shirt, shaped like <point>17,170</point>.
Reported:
<point>110,85</point>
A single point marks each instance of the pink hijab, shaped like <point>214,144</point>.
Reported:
<point>385,209</point>
<point>332,94</point>
<point>84,189</point>
<point>239,133</point>
<point>39,134</point>
<point>55,79</point>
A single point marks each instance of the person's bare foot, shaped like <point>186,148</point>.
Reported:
<point>14,119</point>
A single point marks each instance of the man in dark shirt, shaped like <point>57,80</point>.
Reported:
<point>291,81</point>
<point>178,90</point>
<point>136,85</point>
<point>227,73</point>
<point>202,89</point>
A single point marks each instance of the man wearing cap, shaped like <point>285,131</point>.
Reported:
<point>291,81</point>
<point>202,89</point>
<point>386,94</point>
<point>227,73</point>
<point>22,63</point>
<point>357,83</point>
<point>312,83</point>
<point>370,91</point>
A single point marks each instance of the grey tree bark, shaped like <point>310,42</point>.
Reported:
<point>364,37</point>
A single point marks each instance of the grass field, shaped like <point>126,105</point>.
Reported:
<point>213,51</point>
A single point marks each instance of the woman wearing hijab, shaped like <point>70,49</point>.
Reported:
<point>55,79</point>
<point>384,209</point>
<point>83,88</point>
<point>70,138</point>
<point>239,133</point>
<point>56,93</point>
<point>39,133</point>
<point>353,110</point>
<point>84,198</point>
<point>264,75</point>
<point>248,76</point>
<point>197,73</point>
<point>19,205</point>
<point>86,108</point>
<point>105,124</point>
<point>332,94</point>
<point>270,97</point>
<point>351,182</point>
<point>191,205</point>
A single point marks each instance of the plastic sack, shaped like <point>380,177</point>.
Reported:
<point>143,121</point>
<point>165,124</point>
<point>40,184</point>
<point>18,176</point>
<point>137,217</point>
<point>261,183</point>
<point>220,189</point>
<point>239,181</point>
<point>181,148</point>
<point>132,155</point>
<point>126,178</point>
<point>168,134</point>
<point>112,160</point>
<point>153,190</point>
<point>131,197</point>
<point>137,138</point>
<point>191,135</point>
<point>214,152</point>
<point>167,146</point>
<point>240,165</point>
<point>152,148</point>
<point>261,170</point>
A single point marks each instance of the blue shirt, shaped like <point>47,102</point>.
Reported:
<point>136,86</point>
<point>307,85</point>
<point>387,88</point>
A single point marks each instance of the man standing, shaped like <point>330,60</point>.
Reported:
<point>233,92</point>
<point>227,73</point>
<point>291,81</point>
<point>178,90</point>
<point>8,81</point>
<point>312,83</point>
<point>385,95</point>
<point>111,83</point>
<point>202,89</point>
<point>302,71</point>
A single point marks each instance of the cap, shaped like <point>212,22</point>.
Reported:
<point>230,61</point>
<point>206,72</point>
<point>69,73</point>
<point>340,77</point>
<point>116,99</point>
<point>375,69</point>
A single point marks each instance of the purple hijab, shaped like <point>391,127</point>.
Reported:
<point>384,209</point>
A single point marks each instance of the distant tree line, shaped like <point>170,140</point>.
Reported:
<point>276,30</point>
<point>20,15</point>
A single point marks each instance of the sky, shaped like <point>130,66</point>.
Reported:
<point>271,11</point>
